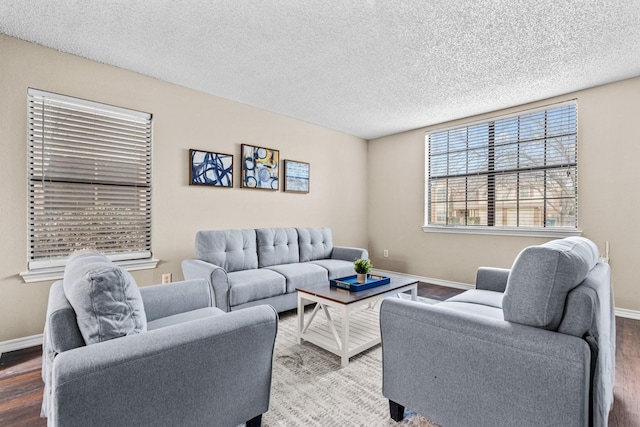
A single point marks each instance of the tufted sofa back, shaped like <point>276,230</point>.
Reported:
<point>232,250</point>
<point>277,246</point>
<point>236,250</point>
<point>315,243</point>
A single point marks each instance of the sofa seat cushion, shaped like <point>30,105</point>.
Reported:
<point>479,296</point>
<point>256,284</point>
<point>336,267</point>
<point>472,308</point>
<point>541,278</point>
<point>301,274</point>
<point>105,298</point>
<point>187,316</point>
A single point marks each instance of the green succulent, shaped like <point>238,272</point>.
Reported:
<point>362,266</point>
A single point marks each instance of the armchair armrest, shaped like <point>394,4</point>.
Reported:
<point>212,370</point>
<point>492,279</point>
<point>349,254</point>
<point>177,297</point>
<point>434,358</point>
<point>215,275</point>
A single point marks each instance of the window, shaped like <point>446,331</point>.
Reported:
<point>89,180</point>
<point>510,173</point>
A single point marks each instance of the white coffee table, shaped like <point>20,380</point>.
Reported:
<point>352,318</point>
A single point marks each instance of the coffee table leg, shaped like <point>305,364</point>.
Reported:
<point>300,318</point>
<point>345,336</point>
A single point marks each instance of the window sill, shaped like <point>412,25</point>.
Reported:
<point>497,231</point>
<point>55,273</point>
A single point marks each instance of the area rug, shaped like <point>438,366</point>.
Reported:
<point>309,388</point>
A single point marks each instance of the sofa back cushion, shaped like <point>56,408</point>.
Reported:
<point>105,298</point>
<point>277,246</point>
<point>541,278</point>
<point>232,250</point>
<point>315,243</point>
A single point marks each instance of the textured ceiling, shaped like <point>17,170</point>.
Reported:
<point>367,68</point>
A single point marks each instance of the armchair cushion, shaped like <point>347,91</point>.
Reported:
<point>475,309</point>
<point>175,319</point>
<point>480,297</point>
<point>541,278</point>
<point>105,298</point>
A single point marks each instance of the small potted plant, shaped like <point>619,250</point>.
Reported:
<point>362,267</point>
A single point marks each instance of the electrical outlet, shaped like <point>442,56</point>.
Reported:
<point>385,253</point>
<point>166,278</point>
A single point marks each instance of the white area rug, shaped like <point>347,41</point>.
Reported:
<point>310,389</point>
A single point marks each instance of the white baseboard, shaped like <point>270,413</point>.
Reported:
<point>629,314</point>
<point>20,343</point>
<point>434,281</point>
<point>620,312</point>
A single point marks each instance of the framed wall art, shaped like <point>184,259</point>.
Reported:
<point>207,168</point>
<point>260,167</point>
<point>296,176</point>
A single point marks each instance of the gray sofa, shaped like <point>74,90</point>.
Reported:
<point>179,361</point>
<point>530,346</point>
<point>265,265</point>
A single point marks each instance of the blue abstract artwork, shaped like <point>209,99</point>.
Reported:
<point>296,176</point>
<point>260,167</point>
<point>209,168</point>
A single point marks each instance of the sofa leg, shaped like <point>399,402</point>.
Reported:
<point>396,410</point>
<point>255,421</point>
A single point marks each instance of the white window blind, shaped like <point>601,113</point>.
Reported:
<point>517,171</point>
<point>89,179</point>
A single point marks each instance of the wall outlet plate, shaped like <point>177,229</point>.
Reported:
<point>386,253</point>
<point>166,278</point>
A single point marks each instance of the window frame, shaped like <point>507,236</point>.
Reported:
<point>537,231</point>
<point>58,172</point>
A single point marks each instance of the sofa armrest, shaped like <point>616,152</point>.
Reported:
<point>349,254</point>
<point>177,297</point>
<point>492,279</point>
<point>434,358</point>
<point>212,370</point>
<point>215,275</point>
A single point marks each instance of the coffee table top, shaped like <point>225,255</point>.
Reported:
<point>345,296</point>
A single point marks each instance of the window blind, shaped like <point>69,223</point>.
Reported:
<point>89,179</point>
<point>510,172</point>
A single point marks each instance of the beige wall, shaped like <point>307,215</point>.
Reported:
<point>609,148</point>
<point>608,192</point>
<point>182,119</point>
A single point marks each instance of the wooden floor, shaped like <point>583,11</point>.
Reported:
<point>21,388</point>
<point>21,385</point>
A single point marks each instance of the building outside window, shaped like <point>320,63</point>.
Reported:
<point>512,172</point>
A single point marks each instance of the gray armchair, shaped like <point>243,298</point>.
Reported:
<point>530,346</point>
<point>194,365</point>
